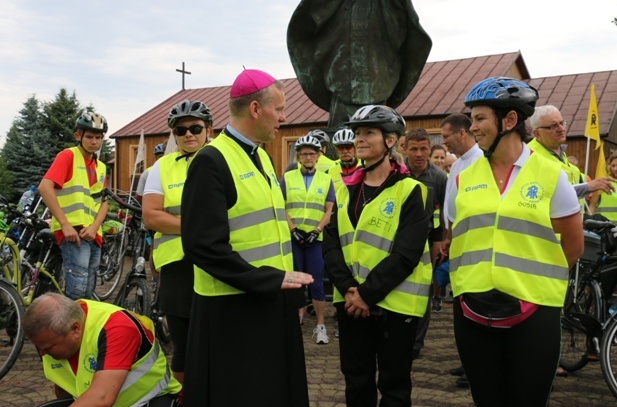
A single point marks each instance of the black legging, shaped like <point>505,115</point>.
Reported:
<point>510,366</point>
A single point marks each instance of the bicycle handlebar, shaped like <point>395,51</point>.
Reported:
<point>592,224</point>
<point>122,203</point>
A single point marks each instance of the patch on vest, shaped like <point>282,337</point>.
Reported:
<point>531,193</point>
<point>319,191</point>
<point>386,208</point>
<point>90,363</point>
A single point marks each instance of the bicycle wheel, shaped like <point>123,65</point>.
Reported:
<point>576,336</point>
<point>137,296</point>
<point>608,356</point>
<point>112,260</point>
<point>11,329</point>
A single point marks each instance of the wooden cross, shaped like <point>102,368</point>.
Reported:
<point>183,72</point>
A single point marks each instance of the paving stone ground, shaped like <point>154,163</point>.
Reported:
<point>25,385</point>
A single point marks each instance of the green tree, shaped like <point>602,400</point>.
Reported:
<point>25,148</point>
<point>59,118</point>
<point>107,151</point>
<point>6,181</point>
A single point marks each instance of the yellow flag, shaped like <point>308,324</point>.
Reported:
<point>601,168</point>
<point>592,129</point>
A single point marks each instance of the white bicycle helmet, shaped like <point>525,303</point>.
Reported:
<point>308,141</point>
<point>343,136</point>
<point>320,135</point>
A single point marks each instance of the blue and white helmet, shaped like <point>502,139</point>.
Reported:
<point>343,137</point>
<point>501,91</point>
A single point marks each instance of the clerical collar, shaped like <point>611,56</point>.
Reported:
<point>241,138</point>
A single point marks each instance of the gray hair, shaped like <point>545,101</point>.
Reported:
<point>54,312</point>
<point>540,113</point>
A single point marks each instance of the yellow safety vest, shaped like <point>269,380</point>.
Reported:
<point>336,173</point>
<point>607,205</point>
<point>508,244</point>
<point>371,241</point>
<point>572,171</point>
<point>258,229</point>
<point>306,208</point>
<point>168,247</point>
<point>149,376</point>
<point>79,201</point>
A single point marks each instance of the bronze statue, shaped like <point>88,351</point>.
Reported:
<point>350,53</point>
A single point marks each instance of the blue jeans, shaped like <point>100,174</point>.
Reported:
<point>80,265</point>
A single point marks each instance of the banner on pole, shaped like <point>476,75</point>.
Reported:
<point>601,167</point>
<point>592,129</point>
<point>141,149</point>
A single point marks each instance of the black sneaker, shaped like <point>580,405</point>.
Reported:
<point>436,304</point>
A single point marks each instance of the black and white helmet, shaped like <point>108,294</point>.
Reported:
<point>308,141</point>
<point>187,108</point>
<point>381,117</point>
<point>343,137</point>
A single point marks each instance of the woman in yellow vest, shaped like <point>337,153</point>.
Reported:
<point>191,123</point>
<point>603,203</point>
<point>377,256</point>
<point>516,232</point>
<point>309,198</point>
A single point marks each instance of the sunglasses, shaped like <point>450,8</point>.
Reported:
<point>194,129</point>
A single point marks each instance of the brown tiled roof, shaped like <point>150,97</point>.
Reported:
<point>440,91</point>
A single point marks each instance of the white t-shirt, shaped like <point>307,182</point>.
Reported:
<point>564,202</point>
<point>153,183</point>
<point>459,165</point>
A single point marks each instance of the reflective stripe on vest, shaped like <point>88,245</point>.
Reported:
<point>258,229</point>
<point>371,242</point>
<point>607,205</point>
<point>79,201</point>
<point>306,208</point>
<point>508,244</point>
<point>148,377</point>
<point>172,172</point>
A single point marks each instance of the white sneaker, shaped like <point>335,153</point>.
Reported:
<point>322,336</point>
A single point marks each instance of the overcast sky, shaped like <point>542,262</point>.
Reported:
<point>121,56</point>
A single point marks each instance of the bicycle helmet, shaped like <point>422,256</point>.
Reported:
<point>381,117</point>
<point>186,108</point>
<point>343,137</point>
<point>503,92</point>
<point>91,121</point>
<point>308,141</point>
<point>320,135</point>
<point>159,149</point>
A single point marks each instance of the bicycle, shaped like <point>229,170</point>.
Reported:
<point>588,331</point>
<point>11,328</point>
<point>113,250</point>
<point>134,294</point>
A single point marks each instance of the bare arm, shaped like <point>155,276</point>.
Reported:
<point>104,390</point>
<point>593,205</point>
<point>572,240</point>
<point>156,218</point>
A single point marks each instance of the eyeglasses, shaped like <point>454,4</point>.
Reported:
<point>194,129</point>
<point>308,155</point>
<point>555,126</point>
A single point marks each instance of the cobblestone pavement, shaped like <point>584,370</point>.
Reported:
<point>25,385</point>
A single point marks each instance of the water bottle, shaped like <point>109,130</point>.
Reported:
<point>613,308</point>
<point>139,266</point>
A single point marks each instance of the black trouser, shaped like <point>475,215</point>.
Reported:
<point>167,400</point>
<point>510,366</point>
<point>383,343</point>
<point>179,332</point>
